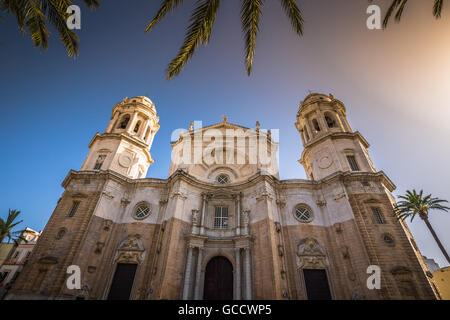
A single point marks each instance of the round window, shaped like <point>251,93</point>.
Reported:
<point>388,239</point>
<point>142,212</point>
<point>223,179</point>
<point>303,214</point>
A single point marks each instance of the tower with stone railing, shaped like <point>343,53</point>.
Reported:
<point>125,145</point>
<point>330,144</point>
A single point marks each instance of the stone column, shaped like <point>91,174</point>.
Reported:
<point>339,121</point>
<point>202,220</point>
<point>238,215</point>
<point>144,129</point>
<point>187,274</point>
<point>132,123</point>
<point>322,123</point>
<point>311,132</point>
<point>248,275</point>
<point>198,274</point>
<point>237,275</point>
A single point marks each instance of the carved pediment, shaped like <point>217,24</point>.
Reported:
<point>131,250</point>
<point>310,255</point>
<point>309,246</point>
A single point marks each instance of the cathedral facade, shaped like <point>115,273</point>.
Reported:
<point>223,225</point>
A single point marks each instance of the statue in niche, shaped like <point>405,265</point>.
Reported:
<point>245,218</point>
<point>195,217</point>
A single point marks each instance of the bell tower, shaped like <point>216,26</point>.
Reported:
<point>125,145</point>
<point>330,145</point>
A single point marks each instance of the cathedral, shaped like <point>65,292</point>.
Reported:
<point>223,225</point>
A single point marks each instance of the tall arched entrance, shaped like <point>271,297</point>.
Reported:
<point>218,279</point>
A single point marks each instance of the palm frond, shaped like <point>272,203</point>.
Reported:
<point>167,7</point>
<point>414,204</point>
<point>437,8</point>
<point>199,31</point>
<point>7,225</point>
<point>92,4</point>
<point>250,15</point>
<point>394,5</point>
<point>57,15</point>
<point>294,14</point>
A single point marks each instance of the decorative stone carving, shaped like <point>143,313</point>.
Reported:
<point>245,219</point>
<point>339,196</point>
<point>181,195</point>
<point>321,203</point>
<point>278,227</point>
<point>280,250</point>
<point>345,252</point>
<point>130,250</point>
<point>99,247</point>
<point>159,247</point>
<point>281,203</point>
<point>107,225</point>
<point>195,217</point>
<point>124,202</point>
<point>310,255</point>
<point>108,195</point>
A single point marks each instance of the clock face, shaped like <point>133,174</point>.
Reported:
<point>325,162</point>
<point>125,160</point>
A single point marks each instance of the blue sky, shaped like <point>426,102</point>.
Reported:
<point>394,83</point>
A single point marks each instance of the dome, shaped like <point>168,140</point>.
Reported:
<point>313,97</point>
<point>142,100</point>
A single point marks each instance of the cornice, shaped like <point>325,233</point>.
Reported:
<point>236,188</point>
<point>122,136</point>
<point>334,136</point>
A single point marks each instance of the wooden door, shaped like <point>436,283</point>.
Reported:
<point>218,280</point>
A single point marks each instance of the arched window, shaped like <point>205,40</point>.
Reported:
<point>306,133</point>
<point>136,128</point>
<point>330,120</point>
<point>147,134</point>
<point>124,123</point>
<point>316,125</point>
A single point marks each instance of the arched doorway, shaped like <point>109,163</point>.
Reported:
<point>218,279</point>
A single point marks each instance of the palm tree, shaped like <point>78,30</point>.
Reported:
<point>202,21</point>
<point>33,15</point>
<point>399,6</point>
<point>414,203</point>
<point>7,226</point>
